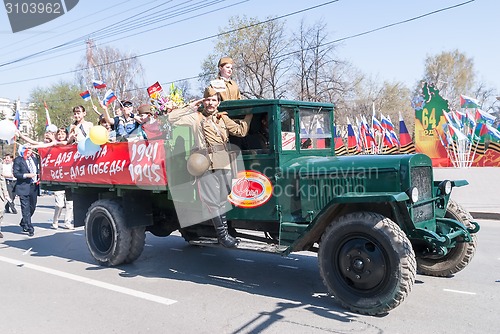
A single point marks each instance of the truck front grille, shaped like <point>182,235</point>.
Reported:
<point>421,177</point>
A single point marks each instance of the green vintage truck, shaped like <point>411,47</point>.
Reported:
<point>374,220</point>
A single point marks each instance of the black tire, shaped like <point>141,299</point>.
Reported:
<point>106,233</point>
<point>137,243</point>
<point>367,263</point>
<point>458,257</point>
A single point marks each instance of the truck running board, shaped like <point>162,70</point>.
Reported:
<point>243,245</point>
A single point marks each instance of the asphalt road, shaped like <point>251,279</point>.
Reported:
<point>50,283</point>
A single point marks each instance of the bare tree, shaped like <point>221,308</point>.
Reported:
<point>122,72</point>
<point>314,63</point>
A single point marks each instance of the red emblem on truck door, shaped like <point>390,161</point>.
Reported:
<point>250,190</point>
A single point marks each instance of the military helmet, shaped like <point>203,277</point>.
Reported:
<point>197,164</point>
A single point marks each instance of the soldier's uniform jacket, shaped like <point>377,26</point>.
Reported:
<point>232,90</point>
<point>211,132</point>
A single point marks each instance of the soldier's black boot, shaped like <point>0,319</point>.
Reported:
<point>230,230</point>
<point>221,229</point>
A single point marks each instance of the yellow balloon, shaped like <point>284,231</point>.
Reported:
<point>98,134</point>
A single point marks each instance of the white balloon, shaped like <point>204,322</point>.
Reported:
<point>51,128</point>
<point>7,129</point>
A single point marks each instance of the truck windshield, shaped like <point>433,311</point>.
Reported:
<point>315,129</point>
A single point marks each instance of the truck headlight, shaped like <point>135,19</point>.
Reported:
<point>413,194</point>
<point>445,187</point>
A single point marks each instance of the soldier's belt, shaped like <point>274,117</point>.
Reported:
<point>216,148</point>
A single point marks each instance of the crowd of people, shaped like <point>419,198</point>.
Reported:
<point>211,128</point>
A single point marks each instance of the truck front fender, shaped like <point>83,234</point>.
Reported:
<point>372,197</point>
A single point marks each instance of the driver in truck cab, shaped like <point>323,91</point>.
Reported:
<point>211,131</point>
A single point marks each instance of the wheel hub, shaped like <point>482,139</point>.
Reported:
<point>362,263</point>
<point>102,235</point>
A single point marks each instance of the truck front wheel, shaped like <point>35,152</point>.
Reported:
<point>457,257</point>
<point>367,263</point>
<point>108,238</point>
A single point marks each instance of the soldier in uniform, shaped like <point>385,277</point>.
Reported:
<point>232,91</point>
<point>212,130</point>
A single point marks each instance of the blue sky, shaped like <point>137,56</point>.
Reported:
<point>395,54</point>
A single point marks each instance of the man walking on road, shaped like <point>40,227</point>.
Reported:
<point>26,172</point>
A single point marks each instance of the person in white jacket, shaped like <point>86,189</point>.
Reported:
<point>4,197</point>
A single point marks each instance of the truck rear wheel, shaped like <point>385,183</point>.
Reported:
<point>459,256</point>
<point>108,238</point>
<point>137,243</point>
<point>367,263</point>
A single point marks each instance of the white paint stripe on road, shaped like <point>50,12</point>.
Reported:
<point>244,260</point>
<point>458,291</point>
<point>289,267</point>
<point>89,281</point>
<point>208,254</point>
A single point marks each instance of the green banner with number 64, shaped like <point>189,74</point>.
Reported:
<point>429,118</point>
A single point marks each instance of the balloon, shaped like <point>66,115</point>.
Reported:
<point>98,134</point>
<point>51,128</point>
<point>86,147</point>
<point>7,129</point>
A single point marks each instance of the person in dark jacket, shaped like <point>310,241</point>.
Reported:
<point>26,172</point>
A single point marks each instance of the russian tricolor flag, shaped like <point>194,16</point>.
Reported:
<point>386,123</point>
<point>377,125</point>
<point>17,116</point>
<point>109,97</point>
<point>98,84</point>
<point>338,141</point>
<point>387,139</point>
<point>85,95</point>
<point>404,136</point>
<point>352,141</point>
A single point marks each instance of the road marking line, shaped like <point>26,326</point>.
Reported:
<point>208,254</point>
<point>244,260</point>
<point>89,281</point>
<point>289,267</point>
<point>458,291</point>
<point>176,249</point>
<point>27,251</point>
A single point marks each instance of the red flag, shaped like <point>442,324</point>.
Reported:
<point>154,90</point>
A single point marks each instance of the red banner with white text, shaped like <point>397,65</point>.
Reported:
<point>139,163</point>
